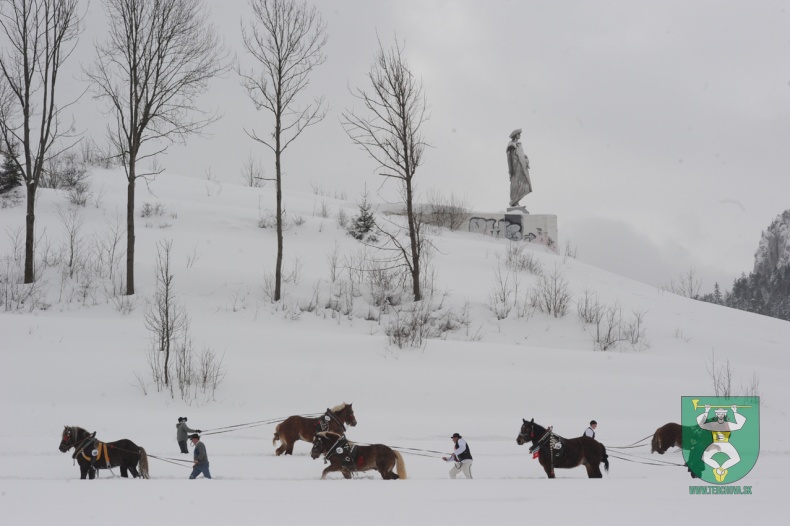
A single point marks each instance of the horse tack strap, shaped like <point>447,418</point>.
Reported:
<point>101,447</point>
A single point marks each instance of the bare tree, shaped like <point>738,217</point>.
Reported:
<point>286,39</point>
<point>252,173</point>
<point>39,36</point>
<point>390,132</point>
<point>159,56</point>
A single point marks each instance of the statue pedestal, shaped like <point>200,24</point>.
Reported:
<point>517,225</point>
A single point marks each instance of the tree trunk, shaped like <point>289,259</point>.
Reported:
<point>30,235</point>
<point>415,249</point>
<point>130,229</point>
<point>278,269</point>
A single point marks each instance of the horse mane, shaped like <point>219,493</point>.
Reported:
<point>339,408</point>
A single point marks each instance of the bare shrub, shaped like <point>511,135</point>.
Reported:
<point>342,218</point>
<point>321,210</point>
<point>252,172</point>
<point>79,194</point>
<point>452,212</point>
<point>687,285</point>
<point>612,330</point>
<point>151,210</point>
<point>411,324</point>
<point>518,260</point>
<point>500,298</point>
<point>165,318</point>
<point>16,296</point>
<point>65,171</point>
<point>551,295</point>
<point>299,220</point>
<point>589,308</point>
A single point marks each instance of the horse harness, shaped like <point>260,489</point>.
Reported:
<point>99,449</point>
<point>329,416</point>
<point>553,442</point>
<point>347,450</point>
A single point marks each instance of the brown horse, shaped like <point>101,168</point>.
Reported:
<point>91,454</point>
<point>298,427</point>
<point>671,435</point>
<point>348,457</point>
<point>667,436</point>
<point>556,452</point>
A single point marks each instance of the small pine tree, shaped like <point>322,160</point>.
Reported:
<point>717,298</point>
<point>364,223</point>
<point>10,174</point>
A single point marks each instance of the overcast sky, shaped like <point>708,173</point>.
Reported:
<point>658,131</point>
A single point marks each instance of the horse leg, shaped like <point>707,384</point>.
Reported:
<point>593,471</point>
<point>83,472</point>
<point>283,438</point>
<point>124,471</point>
<point>547,468</point>
<point>91,472</point>
<point>333,467</point>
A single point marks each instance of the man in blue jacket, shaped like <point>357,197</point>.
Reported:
<point>201,458</point>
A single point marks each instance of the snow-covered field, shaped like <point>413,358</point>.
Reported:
<point>75,363</point>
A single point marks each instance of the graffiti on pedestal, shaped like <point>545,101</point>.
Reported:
<point>510,228</point>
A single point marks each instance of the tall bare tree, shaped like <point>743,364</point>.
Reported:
<point>159,56</point>
<point>286,39</point>
<point>390,132</point>
<point>39,35</point>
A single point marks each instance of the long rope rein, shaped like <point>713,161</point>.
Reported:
<point>638,443</point>
<point>630,457</point>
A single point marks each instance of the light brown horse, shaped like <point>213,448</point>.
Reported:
<point>348,457</point>
<point>298,427</point>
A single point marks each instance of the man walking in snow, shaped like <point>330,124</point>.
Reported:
<point>201,458</point>
<point>461,457</point>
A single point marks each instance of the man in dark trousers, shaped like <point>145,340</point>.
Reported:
<point>201,458</point>
<point>461,457</point>
<point>181,433</point>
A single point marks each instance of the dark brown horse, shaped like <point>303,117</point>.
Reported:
<point>667,436</point>
<point>348,457</point>
<point>91,454</point>
<point>556,452</point>
<point>298,427</point>
<point>671,435</point>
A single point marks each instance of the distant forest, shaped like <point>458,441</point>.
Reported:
<point>766,290</point>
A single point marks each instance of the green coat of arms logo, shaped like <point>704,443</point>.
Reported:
<point>721,436</point>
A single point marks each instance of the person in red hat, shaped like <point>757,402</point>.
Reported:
<point>461,457</point>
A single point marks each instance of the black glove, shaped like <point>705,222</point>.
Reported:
<point>198,431</point>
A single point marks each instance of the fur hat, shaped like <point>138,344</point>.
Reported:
<point>515,132</point>
<point>181,419</point>
<point>194,435</point>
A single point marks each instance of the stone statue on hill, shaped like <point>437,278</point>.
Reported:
<point>518,168</point>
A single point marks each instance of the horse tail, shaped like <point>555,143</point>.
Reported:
<point>276,434</point>
<point>401,465</point>
<point>605,458</point>
<point>143,462</point>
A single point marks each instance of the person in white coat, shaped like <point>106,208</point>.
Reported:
<point>461,457</point>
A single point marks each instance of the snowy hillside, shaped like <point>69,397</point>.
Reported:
<point>80,357</point>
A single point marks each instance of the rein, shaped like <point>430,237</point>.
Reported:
<point>638,443</point>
